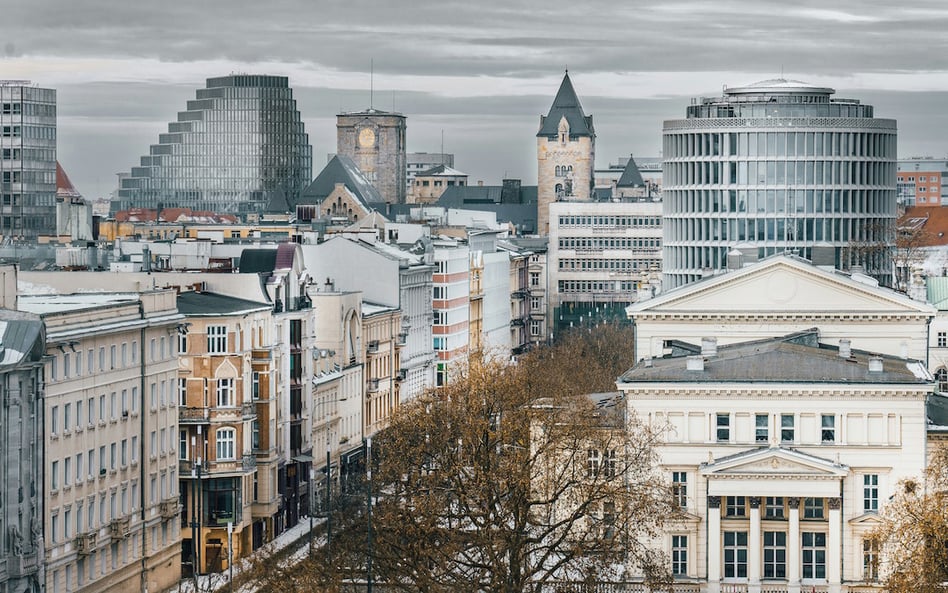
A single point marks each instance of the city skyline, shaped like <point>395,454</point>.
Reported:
<point>481,73</point>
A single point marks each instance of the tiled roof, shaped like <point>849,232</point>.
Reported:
<point>932,223</point>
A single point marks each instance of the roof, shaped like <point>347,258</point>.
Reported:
<point>257,261</point>
<point>566,104</point>
<point>174,215</point>
<point>369,309</point>
<point>62,303</point>
<point>925,226</point>
<point>778,85</point>
<point>340,169</point>
<point>64,186</point>
<point>631,176</point>
<point>211,304</point>
<point>278,204</point>
<point>441,171</point>
<point>22,338</point>
<point>788,359</point>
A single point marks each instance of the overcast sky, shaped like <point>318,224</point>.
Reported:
<point>481,71</point>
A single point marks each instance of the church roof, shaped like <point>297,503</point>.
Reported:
<point>566,104</point>
<point>631,176</point>
<point>341,169</point>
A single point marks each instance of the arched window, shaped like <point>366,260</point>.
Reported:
<point>225,439</point>
<point>941,375</point>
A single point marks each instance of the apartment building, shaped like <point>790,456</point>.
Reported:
<point>383,340</point>
<point>110,470</point>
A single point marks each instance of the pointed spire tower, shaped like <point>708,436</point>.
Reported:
<point>566,150</point>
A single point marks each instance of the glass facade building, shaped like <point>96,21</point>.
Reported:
<point>773,167</point>
<point>27,161</point>
<point>240,143</point>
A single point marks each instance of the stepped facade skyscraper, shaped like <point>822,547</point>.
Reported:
<point>239,144</point>
<point>777,166</point>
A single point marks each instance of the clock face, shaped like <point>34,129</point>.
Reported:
<point>366,137</point>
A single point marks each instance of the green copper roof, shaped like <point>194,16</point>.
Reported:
<point>937,292</point>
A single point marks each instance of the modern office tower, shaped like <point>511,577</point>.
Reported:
<point>566,154</point>
<point>21,447</point>
<point>777,166</point>
<point>27,160</point>
<point>375,141</point>
<point>110,484</point>
<point>240,144</point>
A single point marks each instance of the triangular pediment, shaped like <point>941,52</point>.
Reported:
<point>866,520</point>
<point>781,284</point>
<point>773,461</point>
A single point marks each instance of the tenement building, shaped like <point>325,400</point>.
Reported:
<point>21,449</point>
<point>239,144</point>
<point>110,473</point>
<point>777,166</point>
<point>27,160</point>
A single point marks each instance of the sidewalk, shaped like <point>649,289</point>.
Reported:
<point>218,581</point>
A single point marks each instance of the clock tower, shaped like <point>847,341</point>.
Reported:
<point>375,141</point>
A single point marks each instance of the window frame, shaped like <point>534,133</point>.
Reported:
<point>216,339</point>
<point>774,555</point>
<point>811,567</point>
<point>225,444</point>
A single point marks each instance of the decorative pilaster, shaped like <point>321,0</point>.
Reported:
<point>793,545</point>
<point>714,544</point>
<point>834,545</point>
<point>754,544</point>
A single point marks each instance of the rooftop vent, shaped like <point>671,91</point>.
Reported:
<point>695,363</point>
<point>845,348</point>
<point>709,346</point>
<point>875,364</point>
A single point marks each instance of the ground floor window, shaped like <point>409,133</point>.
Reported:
<point>775,555</point>
<point>814,555</point>
<point>735,554</point>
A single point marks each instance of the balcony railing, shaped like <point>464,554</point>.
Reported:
<point>372,347</point>
<point>249,410</point>
<point>85,543</point>
<point>119,528</point>
<point>372,386</point>
<point>193,415</point>
<point>169,508</point>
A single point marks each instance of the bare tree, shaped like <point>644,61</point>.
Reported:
<point>902,244</point>
<point>913,535</point>
<point>512,479</point>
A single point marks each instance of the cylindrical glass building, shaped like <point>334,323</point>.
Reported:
<point>778,166</point>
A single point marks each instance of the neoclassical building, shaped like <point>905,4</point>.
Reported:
<point>792,399</point>
<point>781,453</point>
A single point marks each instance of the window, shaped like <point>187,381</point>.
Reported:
<point>943,339</point>
<point>735,506</point>
<point>255,435</point>
<point>760,428</point>
<point>773,507</point>
<point>870,560</point>
<point>255,385</point>
<point>735,554</point>
<point>78,467</point>
<point>870,492</point>
<point>225,443</point>
<point>723,424</point>
<point>54,420</point>
<point>182,343</point>
<point>534,279</point>
<point>609,460</point>
<point>67,416</point>
<point>592,463</point>
<point>183,443</point>
<point>828,431</point>
<point>679,554</point>
<point>225,393</point>
<point>112,456</point>
<point>680,488</point>
<point>786,428</point>
<point>90,409</point>
<point>67,471</point>
<point>812,508</point>
<point>182,391</point>
<point>54,476</point>
<point>814,555</point>
<point>941,376</point>
<point>216,339</point>
<point>775,555</point>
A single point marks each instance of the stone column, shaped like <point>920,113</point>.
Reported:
<point>834,545</point>
<point>754,545</point>
<point>793,546</point>
<point>714,544</point>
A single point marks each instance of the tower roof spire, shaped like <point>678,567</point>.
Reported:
<point>566,104</point>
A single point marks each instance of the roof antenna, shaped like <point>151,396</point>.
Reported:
<point>371,83</point>
<point>442,147</point>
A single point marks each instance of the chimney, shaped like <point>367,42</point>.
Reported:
<point>695,363</point>
<point>845,348</point>
<point>647,362</point>
<point>709,346</point>
<point>875,364</point>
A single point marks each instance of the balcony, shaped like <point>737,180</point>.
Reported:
<point>402,339</point>
<point>169,508</point>
<point>260,355</point>
<point>372,386</point>
<point>516,322</point>
<point>372,347</point>
<point>249,410</point>
<point>85,543</point>
<point>520,294</point>
<point>401,375</point>
<point>119,528</point>
<point>249,462</point>
<point>193,415</point>
<point>22,565</point>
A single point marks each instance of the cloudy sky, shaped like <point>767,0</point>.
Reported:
<point>481,72</point>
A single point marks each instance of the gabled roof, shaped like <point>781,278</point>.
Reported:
<point>278,204</point>
<point>788,359</point>
<point>64,186</point>
<point>631,177</point>
<point>441,171</point>
<point>566,104</point>
<point>773,284</point>
<point>341,169</point>
<point>210,304</point>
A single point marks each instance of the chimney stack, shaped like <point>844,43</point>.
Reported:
<point>875,364</point>
<point>845,348</point>
<point>695,363</point>
<point>709,346</point>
